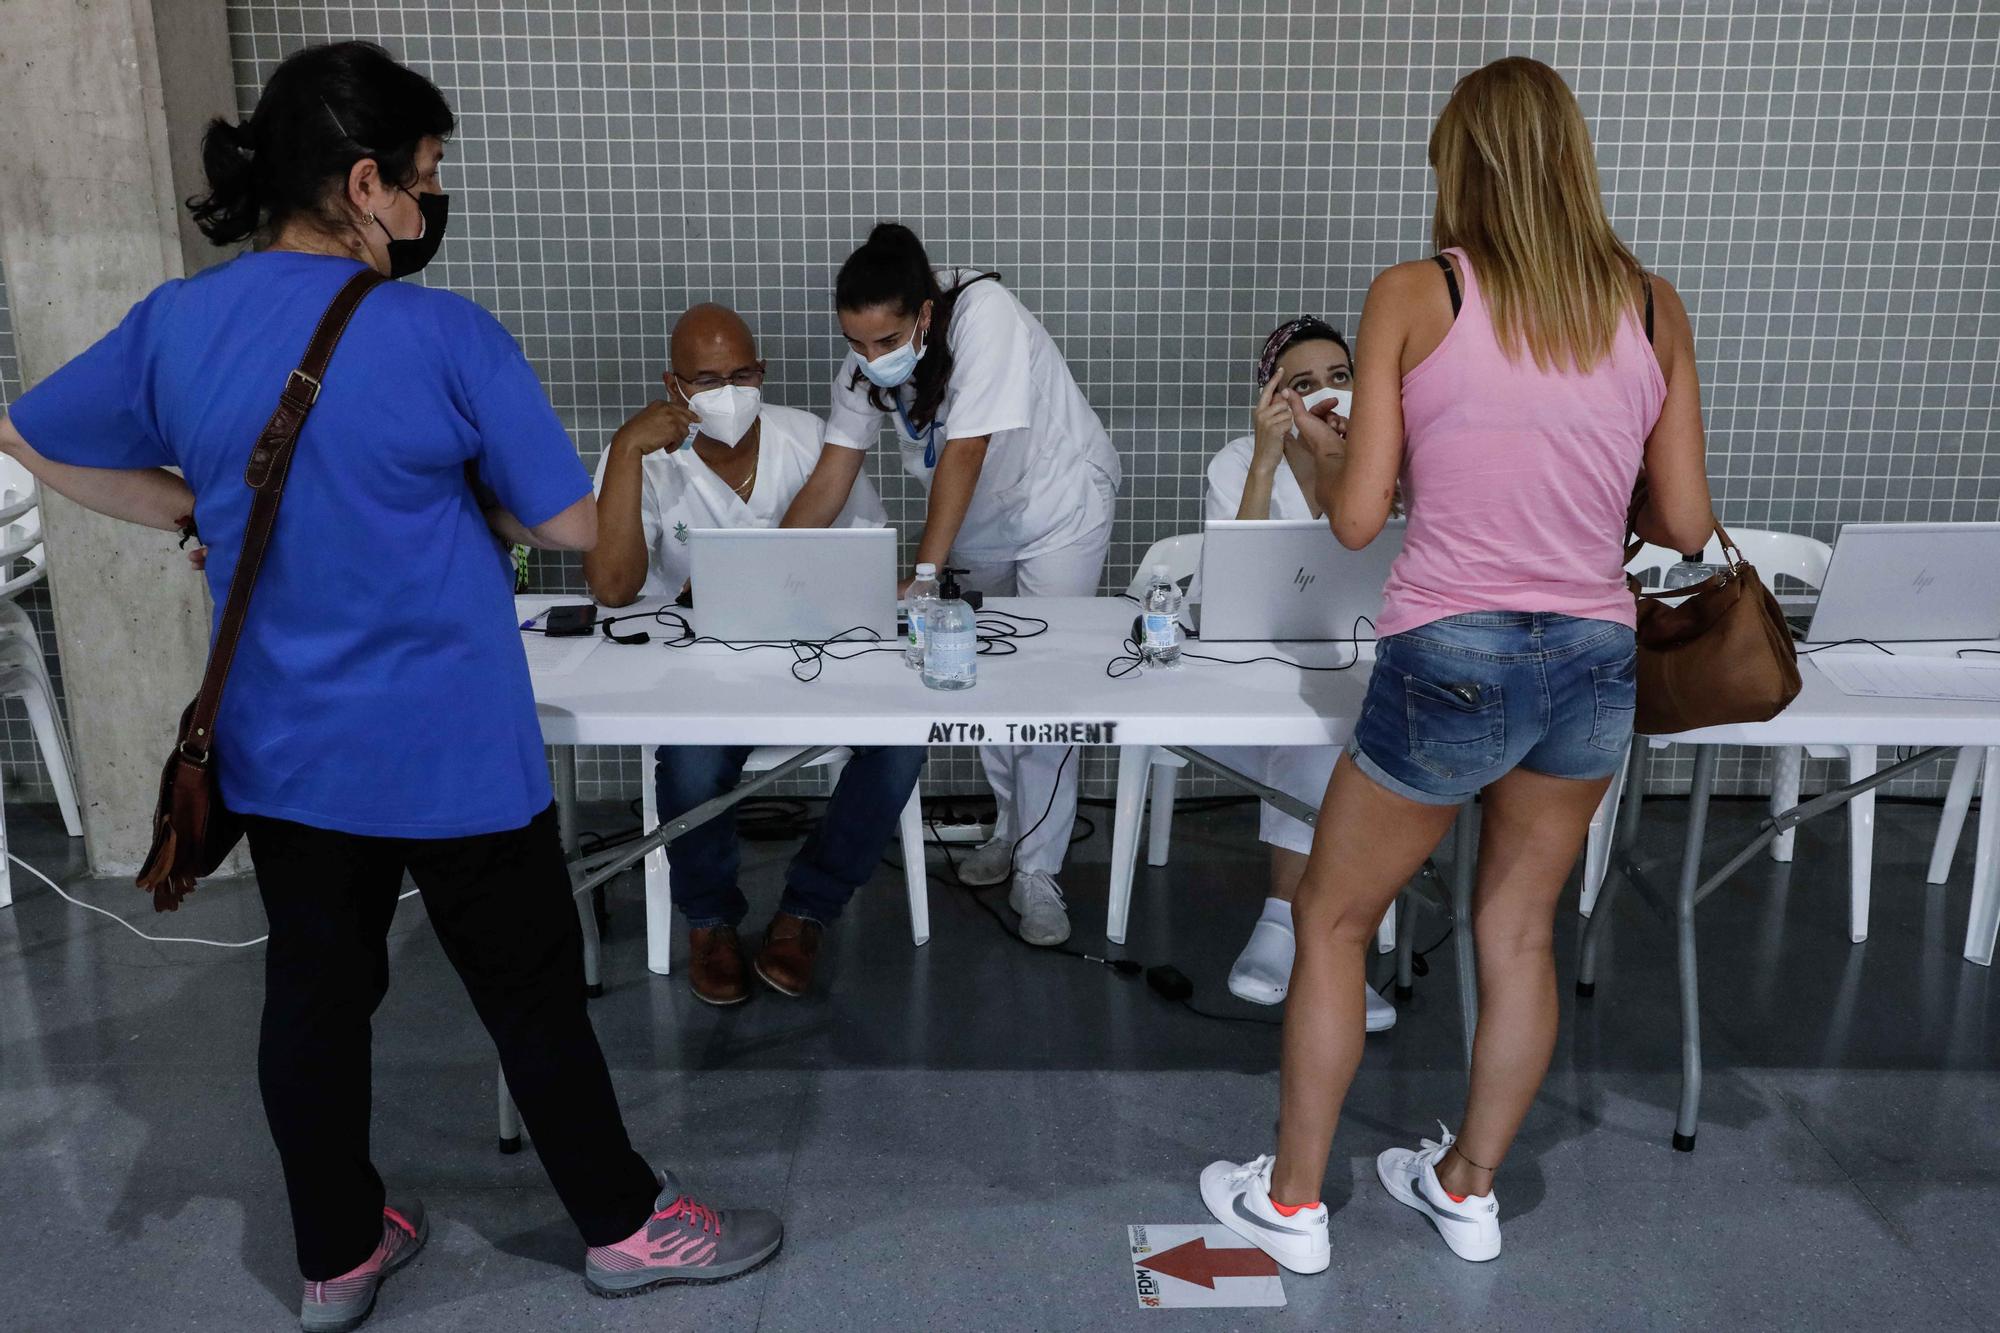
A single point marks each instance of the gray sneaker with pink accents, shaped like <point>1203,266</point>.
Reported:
<point>684,1241</point>
<point>345,1302</point>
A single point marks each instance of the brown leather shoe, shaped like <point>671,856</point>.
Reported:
<point>715,972</point>
<point>791,947</point>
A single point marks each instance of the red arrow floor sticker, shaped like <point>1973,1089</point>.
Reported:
<point>1178,1266</point>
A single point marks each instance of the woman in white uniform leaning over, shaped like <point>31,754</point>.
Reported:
<point>1021,479</point>
<point>1270,474</point>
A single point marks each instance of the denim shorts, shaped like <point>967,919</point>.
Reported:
<point>1455,705</point>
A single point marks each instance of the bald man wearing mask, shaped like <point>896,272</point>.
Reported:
<point>713,454</point>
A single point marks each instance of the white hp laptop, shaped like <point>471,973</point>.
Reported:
<point>756,585</point>
<point>1909,582</point>
<point>1290,579</point>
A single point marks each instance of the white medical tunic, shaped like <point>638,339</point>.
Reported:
<point>682,494</point>
<point>1229,477</point>
<point>1036,490</point>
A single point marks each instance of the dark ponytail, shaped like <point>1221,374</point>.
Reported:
<point>891,269</point>
<point>324,109</point>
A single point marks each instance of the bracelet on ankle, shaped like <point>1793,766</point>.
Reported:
<point>1469,1162</point>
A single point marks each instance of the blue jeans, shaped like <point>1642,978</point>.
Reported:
<point>837,859</point>
<point>1455,705</point>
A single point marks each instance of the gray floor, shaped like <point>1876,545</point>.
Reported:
<point>957,1136</point>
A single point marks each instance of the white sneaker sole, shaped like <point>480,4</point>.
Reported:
<point>1252,991</point>
<point>1218,1199</point>
<point>1256,992</point>
<point>1400,1191</point>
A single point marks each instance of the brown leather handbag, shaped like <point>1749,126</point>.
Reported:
<point>192,830</point>
<point>1722,654</point>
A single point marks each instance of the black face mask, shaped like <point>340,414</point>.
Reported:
<point>407,257</point>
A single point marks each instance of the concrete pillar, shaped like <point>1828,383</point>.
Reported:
<point>104,102</point>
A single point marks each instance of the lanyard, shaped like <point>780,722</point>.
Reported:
<point>910,433</point>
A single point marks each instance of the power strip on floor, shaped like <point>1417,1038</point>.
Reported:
<point>959,833</point>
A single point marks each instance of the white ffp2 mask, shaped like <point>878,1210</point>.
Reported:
<point>1342,400</point>
<point>727,413</point>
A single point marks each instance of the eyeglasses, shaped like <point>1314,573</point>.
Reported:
<point>742,379</point>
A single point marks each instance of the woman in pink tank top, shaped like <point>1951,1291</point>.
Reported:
<point>1517,384</point>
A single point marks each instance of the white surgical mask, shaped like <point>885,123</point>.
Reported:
<point>892,368</point>
<point>1342,400</point>
<point>727,413</point>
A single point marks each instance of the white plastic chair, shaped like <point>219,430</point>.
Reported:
<point>24,563</point>
<point>1181,554</point>
<point>1964,778</point>
<point>659,892</point>
<point>1805,560</point>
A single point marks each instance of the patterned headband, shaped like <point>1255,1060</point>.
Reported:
<point>1305,328</point>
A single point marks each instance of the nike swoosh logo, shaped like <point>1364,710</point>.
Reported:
<point>1255,1220</point>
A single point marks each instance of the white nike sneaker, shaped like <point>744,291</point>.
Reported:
<point>1240,1198</point>
<point>1039,903</point>
<point>1263,973</point>
<point>990,863</point>
<point>1471,1228</point>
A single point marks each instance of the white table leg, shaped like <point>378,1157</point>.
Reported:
<point>1160,823</point>
<point>1788,762</point>
<point>1597,846</point>
<point>1984,922</point>
<point>1957,798</point>
<point>1860,842</point>
<point>916,875</point>
<point>659,891</point>
<point>1134,765</point>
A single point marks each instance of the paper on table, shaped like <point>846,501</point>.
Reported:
<point>1876,676</point>
<point>549,657</point>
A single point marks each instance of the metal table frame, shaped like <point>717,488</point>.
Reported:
<point>1692,890</point>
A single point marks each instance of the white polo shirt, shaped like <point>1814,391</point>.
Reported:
<point>1036,491</point>
<point>682,493</point>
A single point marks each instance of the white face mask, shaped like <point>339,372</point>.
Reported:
<point>1342,400</point>
<point>727,413</point>
<point>893,367</point>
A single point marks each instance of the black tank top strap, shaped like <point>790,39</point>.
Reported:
<point>1451,283</point>
<point>1649,307</point>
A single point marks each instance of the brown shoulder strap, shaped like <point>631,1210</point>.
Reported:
<point>270,464</point>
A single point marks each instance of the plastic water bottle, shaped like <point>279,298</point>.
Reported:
<point>1161,646</point>
<point>951,640</point>
<point>1690,572</point>
<point>923,595</point>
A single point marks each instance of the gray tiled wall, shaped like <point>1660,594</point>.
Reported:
<point>1162,182</point>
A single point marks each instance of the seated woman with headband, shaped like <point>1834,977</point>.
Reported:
<point>1268,474</point>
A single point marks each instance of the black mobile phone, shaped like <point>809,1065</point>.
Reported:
<point>569,621</point>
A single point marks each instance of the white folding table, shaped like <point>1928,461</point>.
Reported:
<point>1821,716</point>
<point>1054,690</point>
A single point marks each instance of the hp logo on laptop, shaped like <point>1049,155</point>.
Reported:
<point>1302,580</point>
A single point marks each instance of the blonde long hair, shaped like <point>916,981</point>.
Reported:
<point>1517,189</point>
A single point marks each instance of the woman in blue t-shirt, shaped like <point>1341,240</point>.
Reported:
<point>378,718</point>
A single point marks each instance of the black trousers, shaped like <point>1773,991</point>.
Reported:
<point>501,906</point>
